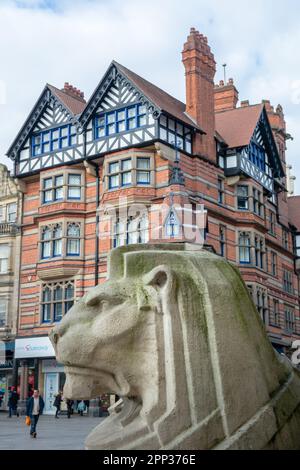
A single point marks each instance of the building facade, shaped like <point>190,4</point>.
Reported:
<point>133,146</point>
<point>10,250</point>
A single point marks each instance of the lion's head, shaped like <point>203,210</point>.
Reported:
<point>175,333</point>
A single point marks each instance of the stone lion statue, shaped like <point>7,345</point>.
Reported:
<point>175,333</point>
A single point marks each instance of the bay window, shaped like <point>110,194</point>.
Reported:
<point>128,172</point>
<point>62,239</point>
<point>56,299</point>
<point>131,231</point>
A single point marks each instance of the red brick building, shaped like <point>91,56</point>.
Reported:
<point>132,142</point>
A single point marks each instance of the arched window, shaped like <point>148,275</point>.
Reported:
<point>57,241</point>
<point>57,299</point>
<point>46,243</point>
<point>119,233</point>
<point>172,226</point>
<point>143,229</point>
<point>132,231</point>
<point>46,305</point>
<point>137,231</point>
<point>73,240</point>
<point>69,296</point>
<point>58,303</point>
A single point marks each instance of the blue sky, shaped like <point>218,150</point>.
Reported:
<point>75,40</point>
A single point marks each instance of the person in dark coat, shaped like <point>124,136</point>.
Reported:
<point>69,407</point>
<point>35,407</point>
<point>13,398</point>
<point>57,403</point>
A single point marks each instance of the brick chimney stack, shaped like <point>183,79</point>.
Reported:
<point>226,96</point>
<point>200,69</point>
<point>74,92</point>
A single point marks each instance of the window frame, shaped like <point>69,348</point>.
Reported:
<point>221,191</point>
<point>244,198</point>
<point>245,235</point>
<point>52,303</point>
<point>46,138</point>
<point>62,240</point>
<point>127,120</point>
<point>115,171</point>
<point>4,302</point>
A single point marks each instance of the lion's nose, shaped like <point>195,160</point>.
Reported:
<point>54,336</point>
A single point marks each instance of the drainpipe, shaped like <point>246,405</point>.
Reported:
<point>97,219</point>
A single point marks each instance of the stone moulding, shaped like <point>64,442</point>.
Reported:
<point>175,333</point>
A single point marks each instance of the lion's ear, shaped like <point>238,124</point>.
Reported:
<point>159,278</point>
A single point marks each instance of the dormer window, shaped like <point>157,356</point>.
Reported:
<point>121,120</point>
<point>54,139</point>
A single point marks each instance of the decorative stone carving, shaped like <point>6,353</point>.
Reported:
<point>175,333</point>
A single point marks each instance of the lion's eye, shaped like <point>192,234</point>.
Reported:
<point>104,304</point>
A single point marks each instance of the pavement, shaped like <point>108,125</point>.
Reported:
<point>52,434</point>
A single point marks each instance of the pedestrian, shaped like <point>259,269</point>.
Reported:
<point>35,407</point>
<point>13,398</point>
<point>69,407</point>
<point>57,403</point>
<point>81,408</point>
<point>87,404</point>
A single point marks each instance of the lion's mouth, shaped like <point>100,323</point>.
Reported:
<point>87,382</point>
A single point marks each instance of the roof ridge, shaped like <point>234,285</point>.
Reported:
<point>223,111</point>
<point>145,79</point>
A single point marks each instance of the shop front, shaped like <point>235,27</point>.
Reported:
<point>38,369</point>
<point>6,372</point>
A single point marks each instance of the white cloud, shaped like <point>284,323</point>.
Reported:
<point>75,40</point>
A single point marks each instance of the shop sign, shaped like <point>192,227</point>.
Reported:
<point>33,347</point>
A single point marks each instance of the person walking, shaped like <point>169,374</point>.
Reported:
<point>87,404</point>
<point>57,403</point>
<point>69,407</point>
<point>81,407</point>
<point>13,398</point>
<point>35,407</point>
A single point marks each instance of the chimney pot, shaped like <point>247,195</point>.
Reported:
<point>245,103</point>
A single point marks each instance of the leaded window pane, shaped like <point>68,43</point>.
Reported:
<point>73,247</point>
<point>57,247</point>
<point>126,164</point>
<point>47,183</point>
<point>126,178</point>
<point>143,163</point>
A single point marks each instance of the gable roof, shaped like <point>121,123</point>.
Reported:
<point>50,94</point>
<point>74,105</point>
<point>237,126</point>
<point>294,211</point>
<point>159,97</point>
